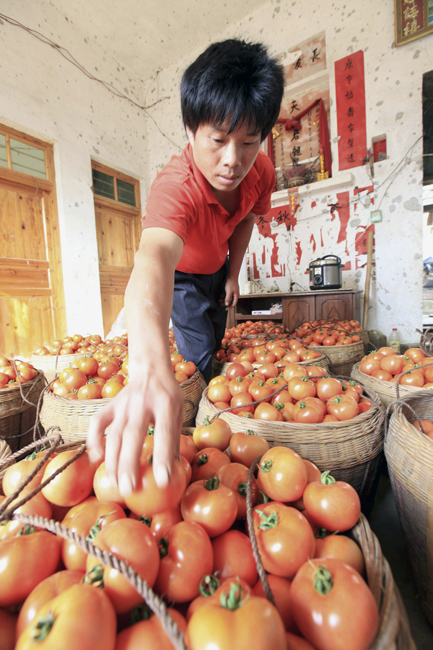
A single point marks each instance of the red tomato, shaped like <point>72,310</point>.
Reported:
<point>103,487</point>
<point>342,407</point>
<point>267,412</point>
<point>284,538</point>
<point>235,370</point>
<point>131,541</point>
<point>86,519</point>
<point>282,474</point>
<point>187,447</point>
<point>306,411</point>
<point>254,623</point>
<point>91,607</point>
<point>296,642</point>
<point>247,446</point>
<point>7,626</point>
<point>18,472</point>
<point>212,434</point>
<point>328,387</point>
<point>37,506</point>
<point>234,476</point>
<point>210,587</point>
<point>149,633</point>
<point>43,593</point>
<point>186,556</point>
<point>219,392</point>
<point>331,504</point>
<point>280,588</point>
<point>162,521</point>
<point>211,504</point>
<point>21,567</point>
<point>148,498</point>
<point>342,548</point>
<point>300,388</point>
<point>73,484</point>
<point>206,463</point>
<point>233,556</point>
<point>241,402</point>
<point>338,615</point>
<point>294,370</point>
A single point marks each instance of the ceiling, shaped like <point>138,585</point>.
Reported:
<point>138,37</point>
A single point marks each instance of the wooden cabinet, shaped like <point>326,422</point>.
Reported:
<point>297,307</point>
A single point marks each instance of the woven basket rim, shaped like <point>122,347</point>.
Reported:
<point>377,384</point>
<point>340,347</point>
<point>24,386</point>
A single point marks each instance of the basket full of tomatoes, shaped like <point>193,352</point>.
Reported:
<point>20,387</point>
<point>337,424</point>
<point>187,545</point>
<point>61,353</point>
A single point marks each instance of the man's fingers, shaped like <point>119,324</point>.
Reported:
<point>113,445</point>
<point>129,458</point>
<point>166,445</point>
<point>98,423</point>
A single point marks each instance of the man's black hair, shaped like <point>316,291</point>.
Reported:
<point>233,80</point>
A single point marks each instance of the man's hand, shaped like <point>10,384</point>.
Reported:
<point>153,398</point>
<point>232,293</point>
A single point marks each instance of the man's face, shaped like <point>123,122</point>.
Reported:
<point>224,158</point>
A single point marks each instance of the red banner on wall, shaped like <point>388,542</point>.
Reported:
<point>351,120</point>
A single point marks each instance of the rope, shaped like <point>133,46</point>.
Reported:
<point>260,569</point>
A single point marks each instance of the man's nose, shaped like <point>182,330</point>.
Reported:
<point>232,155</point>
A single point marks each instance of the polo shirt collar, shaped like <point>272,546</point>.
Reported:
<point>246,185</point>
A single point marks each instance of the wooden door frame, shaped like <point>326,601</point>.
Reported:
<point>45,188</point>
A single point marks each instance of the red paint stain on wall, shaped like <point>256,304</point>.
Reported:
<point>277,270</point>
<point>369,188</point>
<point>321,238</point>
<point>347,266</point>
<point>313,204</point>
<point>298,252</point>
<point>361,240</point>
<point>343,214</point>
<point>313,241</point>
<point>264,256</point>
<point>256,274</point>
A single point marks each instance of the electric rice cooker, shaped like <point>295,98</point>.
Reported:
<point>325,273</point>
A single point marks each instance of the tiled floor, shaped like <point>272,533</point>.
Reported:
<point>385,524</point>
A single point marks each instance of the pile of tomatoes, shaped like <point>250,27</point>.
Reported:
<point>328,333</point>
<point>386,365</point>
<point>427,427</point>
<point>247,334</point>
<point>190,542</point>
<point>75,344</point>
<point>302,394</point>
<point>11,375</point>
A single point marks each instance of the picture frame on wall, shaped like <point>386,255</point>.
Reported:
<point>412,19</point>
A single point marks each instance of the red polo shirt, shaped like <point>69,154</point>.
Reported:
<point>181,200</point>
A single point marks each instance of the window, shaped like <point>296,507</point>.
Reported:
<point>21,156</point>
<point>112,185</point>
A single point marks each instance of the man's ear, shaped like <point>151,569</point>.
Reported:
<point>190,135</point>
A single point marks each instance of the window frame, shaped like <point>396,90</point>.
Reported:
<point>117,176</point>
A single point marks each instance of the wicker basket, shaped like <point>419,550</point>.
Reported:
<point>219,368</point>
<point>409,454</point>
<point>386,390</point>
<point>17,417</point>
<point>341,357</point>
<point>394,632</point>
<point>51,365</point>
<point>350,450</point>
<point>73,416</point>
<point>5,452</point>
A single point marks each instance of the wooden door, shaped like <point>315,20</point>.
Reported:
<point>297,310</point>
<point>32,309</point>
<point>118,231</point>
<point>335,305</point>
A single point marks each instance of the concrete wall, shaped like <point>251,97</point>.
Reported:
<point>44,95</point>
<point>393,85</point>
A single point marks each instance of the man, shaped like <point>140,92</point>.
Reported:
<point>201,206</point>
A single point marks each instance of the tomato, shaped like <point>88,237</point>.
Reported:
<point>131,541</point>
<point>103,487</point>
<point>21,567</point>
<point>331,504</point>
<point>74,483</point>
<point>241,402</point>
<point>18,472</point>
<point>307,411</point>
<point>186,556</point>
<point>91,390</point>
<point>246,447</point>
<point>233,556</point>
<point>7,626</point>
<point>206,463</point>
<point>313,474</point>
<point>259,390</point>
<point>282,474</point>
<point>234,476</point>
<point>149,633</point>
<point>296,642</point>
<point>415,354</point>
<point>280,588</point>
<point>342,548</point>
<point>108,369</point>
<point>219,392</point>
<point>235,370</point>
<point>412,378</point>
<point>80,603</point>
<point>37,506</point>
<point>187,447</point>
<point>43,593</point>
<point>338,615</point>
<point>111,388</point>
<point>86,519</point>
<point>315,373</point>
<point>211,504</point>
<point>267,412</point>
<point>284,538</point>
<point>328,388</point>
<point>212,434</point>
<point>236,621</point>
<point>301,387</point>
<point>342,407</point>
<point>426,425</point>
<point>294,370</point>
<point>162,521</point>
<point>148,498</point>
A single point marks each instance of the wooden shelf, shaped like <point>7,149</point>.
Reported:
<point>278,316</point>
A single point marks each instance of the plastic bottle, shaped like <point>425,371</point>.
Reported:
<point>394,340</point>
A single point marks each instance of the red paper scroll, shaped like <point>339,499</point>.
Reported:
<point>351,120</point>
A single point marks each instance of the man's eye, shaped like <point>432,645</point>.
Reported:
<point>217,140</point>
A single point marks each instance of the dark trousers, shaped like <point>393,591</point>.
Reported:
<point>198,319</point>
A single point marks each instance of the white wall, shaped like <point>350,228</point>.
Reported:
<point>43,94</point>
<point>393,80</point>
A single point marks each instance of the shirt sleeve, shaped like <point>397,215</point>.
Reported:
<point>169,206</point>
<point>267,184</point>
